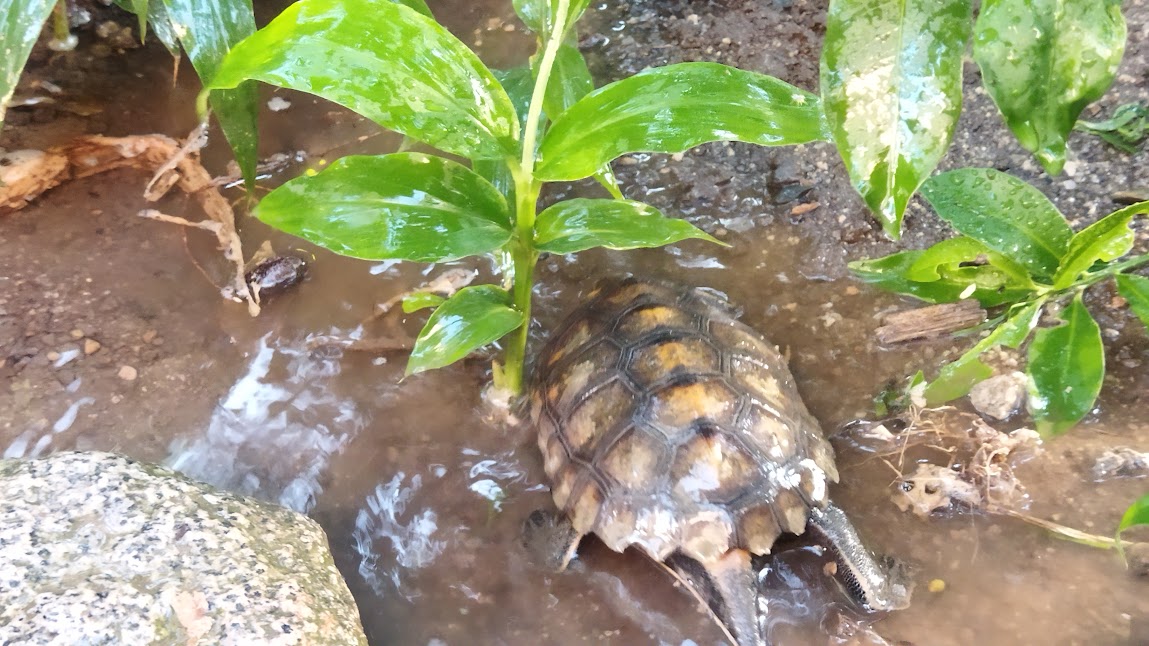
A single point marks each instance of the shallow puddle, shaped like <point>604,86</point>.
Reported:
<point>423,489</point>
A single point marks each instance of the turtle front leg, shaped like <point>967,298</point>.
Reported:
<point>550,538</point>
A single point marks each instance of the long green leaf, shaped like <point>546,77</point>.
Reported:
<point>1043,61</point>
<point>417,5</point>
<point>208,29</point>
<point>956,378</point>
<point>388,63</point>
<point>961,255</point>
<point>1003,213</point>
<point>539,15</point>
<point>162,27</point>
<point>578,224</point>
<point>891,83</point>
<point>1066,369</point>
<point>892,273</point>
<point>138,8</point>
<point>1107,239</point>
<point>469,320</point>
<point>673,108</point>
<point>408,206</point>
<point>20,23</point>
<point>518,83</point>
<point>1135,290</point>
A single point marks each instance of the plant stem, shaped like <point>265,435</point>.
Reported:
<point>523,257</point>
<point>1113,270</point>
<point>60,27</point>
<point>1068,533</point>
<point>523,253</point>
<point>545,66</point>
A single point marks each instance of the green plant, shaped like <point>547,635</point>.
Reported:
<point>521,128</point>
<point>891,79</point>
<point>1125,130</point>
<point>1136,514</point>
<point>1017,251</point>
<point>205,29</point>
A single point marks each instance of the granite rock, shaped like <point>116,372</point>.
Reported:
<point>101,549</point>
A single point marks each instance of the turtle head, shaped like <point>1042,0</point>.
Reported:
<point>874,584</point>
<point>890,590</point>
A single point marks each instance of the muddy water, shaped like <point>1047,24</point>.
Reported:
<point>422,490</point>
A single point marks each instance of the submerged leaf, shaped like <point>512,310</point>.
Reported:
<point>1135,290</point>
<point>578,224</point>
<point>208,29</point>
<point>469,320</point>
<point>671,109</point>
<point>408,206</point>
<point>1066,369</point>
<point>1107,239</point>
<point>20,24</point>
<point>956,378</point>
<point>1003,213</point>
<point>388,63</point>
<point>421,300</point>
<point>891,77</point>
<point>1043,61</point>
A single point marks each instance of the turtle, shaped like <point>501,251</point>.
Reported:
<point>667,425</point>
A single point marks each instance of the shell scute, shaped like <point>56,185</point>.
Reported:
<point>636,461</point>
<point>596,415</point>
<point>649,320</point>
<point>712,467</point>
<point>680,409</point>
<point>667,359</point>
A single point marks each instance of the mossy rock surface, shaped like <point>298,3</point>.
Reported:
<point>98,548</point>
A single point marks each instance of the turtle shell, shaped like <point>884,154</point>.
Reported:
<point>666,424</point>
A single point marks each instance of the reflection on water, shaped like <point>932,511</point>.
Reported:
<point>411,537</point>
<point>275,431</point>
<point>397,531</point>
<point>19,447</point>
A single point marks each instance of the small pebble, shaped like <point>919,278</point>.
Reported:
<point>53,355</point>
<point>149,335</point>
<point>91,346</point>
<point>803,208</point>
<point>77,333</point>
<point>937,585</point>
<point>127,373</point>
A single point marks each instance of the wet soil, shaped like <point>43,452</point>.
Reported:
<point>421,489</point>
